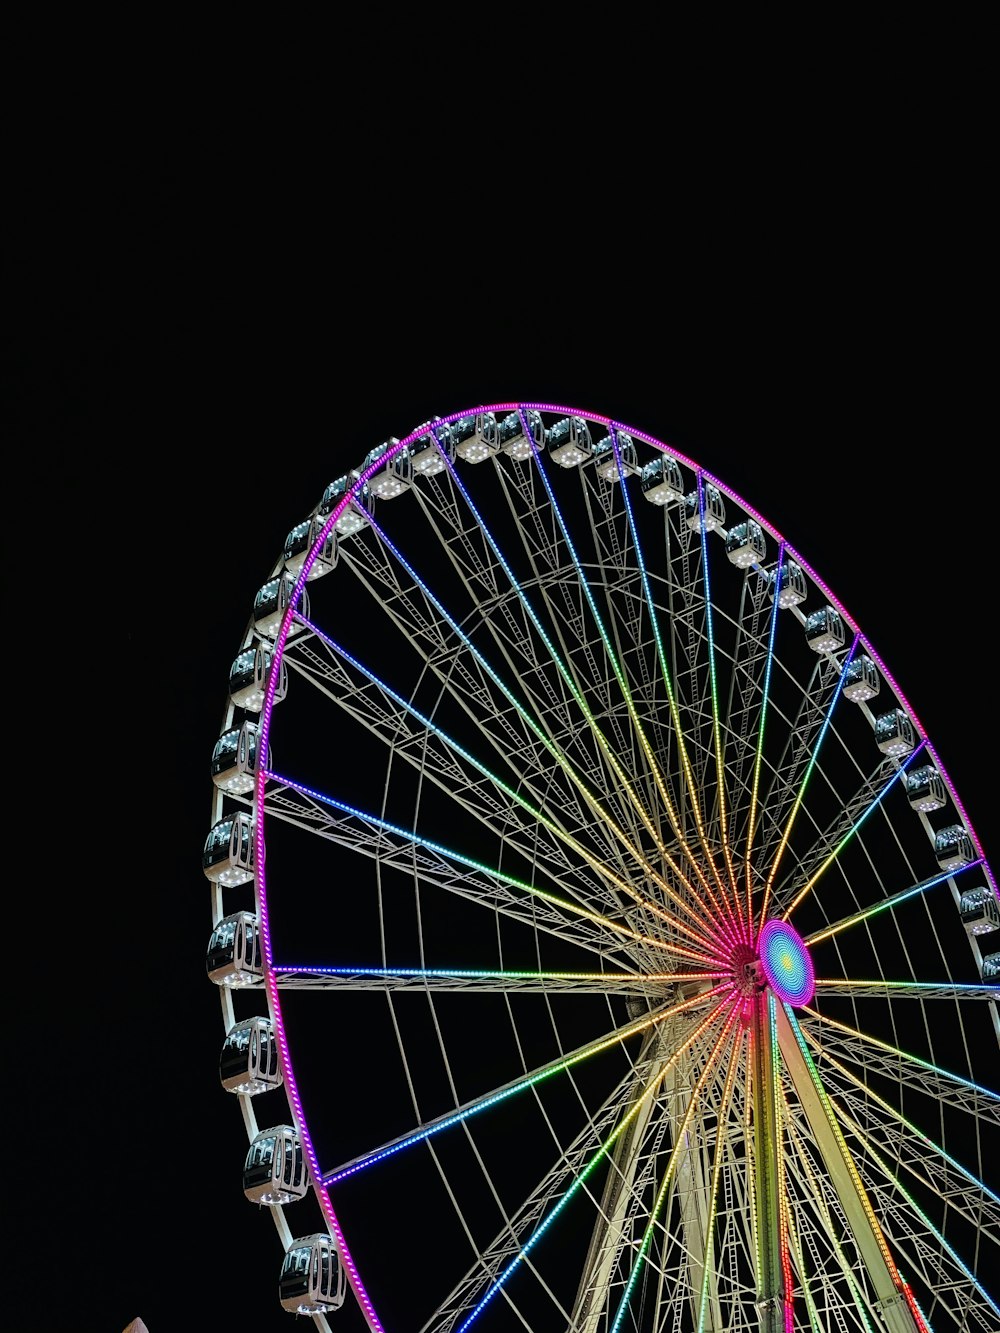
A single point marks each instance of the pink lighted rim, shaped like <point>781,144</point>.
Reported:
<point>792,940</point>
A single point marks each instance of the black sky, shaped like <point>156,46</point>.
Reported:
<point>181,386</point>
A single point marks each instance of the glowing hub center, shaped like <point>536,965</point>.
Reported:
<point>786,963</point>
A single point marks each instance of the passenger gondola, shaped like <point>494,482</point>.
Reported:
<point>248,678</point>
<point>953,847</point>
<point>228,854</point>
<point>790,582</point>
<point>979,910</point>
<point>606,461</point>
<point>661,481</point>
<point>824,630</point>
<point>271,603</point>
<point>275,1171</point>
<point>235,954</point>
<point>235,758</point>
<point>356,512</point>
<point>714,509</point>
<point>894,732</point>
<point>248,1062</point>
<point>745,544</point>
<point>299,543</point>
<point>861,679</point>
<point>925,789</point>
<point>312,1278</point>
<point>569,442</point>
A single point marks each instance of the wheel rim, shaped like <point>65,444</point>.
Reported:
<point>550,756</point>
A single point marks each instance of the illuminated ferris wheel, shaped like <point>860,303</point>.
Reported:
<point>601,942</point>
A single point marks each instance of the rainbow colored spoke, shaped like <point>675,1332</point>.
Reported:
<point>860,1040</point>
<point>536,813</point>
<point>912,990</point>
<point>891,1186</point>
<point>905,1134</point>
<point>769,881</point>
<point>703,959</point>
<point>619,674</point>
<point>761,727</point>
<point>815,1195</point>
<point>873,805</point>
<point>720,767</point>
<point>590,797</point>
<point>679,1145</point>
<point>736,1064</point>
<point>796,806</point>
<point>493,1258</point>
<point>498,1096</point>
<point>885,904</point>
<point>449,980</point>
<point>557,659</point>
<point>579,1181</point>
<point>623,779</point>
<point>735,922</point>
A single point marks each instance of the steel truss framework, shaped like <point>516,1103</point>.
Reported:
<point>549,757</point>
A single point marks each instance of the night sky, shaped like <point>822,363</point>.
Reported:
<point>183,389</point>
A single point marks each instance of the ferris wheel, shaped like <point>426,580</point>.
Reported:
<point>601,942</point>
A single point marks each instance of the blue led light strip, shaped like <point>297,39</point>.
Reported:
<point>411,835</point>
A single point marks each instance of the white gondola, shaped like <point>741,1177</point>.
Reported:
<point>824,630</point>
<point>483,442</point>
<point>227,857</point>
<point>248,1062</point>
<point>248,677</point>
<point>925,789</point>
<point>661,481</point>
<point>299,543</point>
<point>894,733</point>
<point>569,442</point>
<point>790,583</point>
<point>605,462</point>
<point>953,847</point>
<point>861,679</point>
<point>456,435</point>
<point>392,479</point>
<point>275,1170</point>
<point>427,454</point>
<point>715,509</point>
<point>355,515</point>
<point>235,954</point>
<point>234,759</point>
<point>271,603</point>
<point>745,544</point>
<point>979,910</point>
<point>991,967</point>
<point>511,439</point>
<point>312,1278</point>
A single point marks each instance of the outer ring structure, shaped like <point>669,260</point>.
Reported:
<point>713,781</point>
